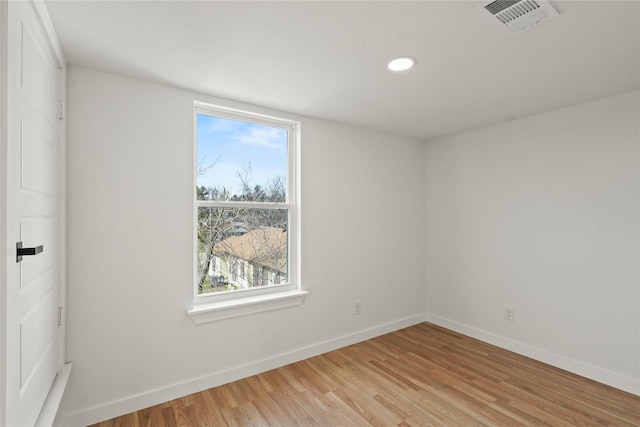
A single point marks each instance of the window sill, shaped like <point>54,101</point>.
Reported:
<point>245,306</point>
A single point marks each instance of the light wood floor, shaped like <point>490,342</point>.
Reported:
<point>419,376</point>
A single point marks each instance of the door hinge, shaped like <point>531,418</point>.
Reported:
<point>60,110</point>
<point>60,315</point>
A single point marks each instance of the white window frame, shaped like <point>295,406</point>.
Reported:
<point>226,304</point>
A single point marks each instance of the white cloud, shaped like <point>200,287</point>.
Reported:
<point>264,137</point>
<point>215,125</point>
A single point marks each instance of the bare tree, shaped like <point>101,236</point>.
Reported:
<point>202,168</point>
<point>212,223</point>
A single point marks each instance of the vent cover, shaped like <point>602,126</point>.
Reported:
<point>518,15</point>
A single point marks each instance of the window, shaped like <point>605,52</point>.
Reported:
<point>245,212</point>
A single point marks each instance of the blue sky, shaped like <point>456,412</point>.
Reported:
<point>232,145</point>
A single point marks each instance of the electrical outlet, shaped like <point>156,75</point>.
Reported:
<point>357,308</point>
<point>508,312</point>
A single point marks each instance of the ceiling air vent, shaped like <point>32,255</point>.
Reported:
<point>518,15</point>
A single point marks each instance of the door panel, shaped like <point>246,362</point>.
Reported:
<point>38,71</point>
<point>36,338</point>
<point>37,172</point>
<point>36,290</point>
<point>32,138</point>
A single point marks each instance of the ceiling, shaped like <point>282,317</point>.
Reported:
<point>328,59</point>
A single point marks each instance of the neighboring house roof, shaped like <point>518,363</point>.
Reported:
<point>266,246</point>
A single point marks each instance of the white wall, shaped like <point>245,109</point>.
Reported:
<point>542,214</point>
<point>129,249</point>
<point>539,213</point>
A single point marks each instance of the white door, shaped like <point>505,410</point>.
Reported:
<point>31,285</point>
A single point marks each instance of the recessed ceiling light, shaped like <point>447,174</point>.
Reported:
<point>401,64</point>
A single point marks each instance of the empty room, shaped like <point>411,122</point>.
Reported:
<point>320,213</point>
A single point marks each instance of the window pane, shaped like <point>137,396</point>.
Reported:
<point>240,161</point>
<point>240,248</point>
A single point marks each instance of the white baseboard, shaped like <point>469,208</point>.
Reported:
<point>153,397</point>
<point>630,385</point>
<point>49,412</point>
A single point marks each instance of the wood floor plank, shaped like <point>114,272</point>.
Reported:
<point>271,411</point>
<point>168,416</point>
<point>197,409</point>
<point>246,414</point>
<point>367,408</point>
<point>424,375</point>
